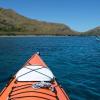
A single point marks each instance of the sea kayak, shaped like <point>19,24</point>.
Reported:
<point>34,81</point>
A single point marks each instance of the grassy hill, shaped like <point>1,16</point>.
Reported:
<point>12,23</point>
<point>95,31</point>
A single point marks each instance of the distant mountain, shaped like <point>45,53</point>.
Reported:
<point>95,31</point>
<point>12,23</point>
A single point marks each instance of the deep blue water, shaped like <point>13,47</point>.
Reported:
<point>75,61</point>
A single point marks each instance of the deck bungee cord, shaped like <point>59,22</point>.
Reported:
<point>41,84</point>
<point>35,71</point>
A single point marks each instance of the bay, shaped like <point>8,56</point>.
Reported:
<point>74,60</point>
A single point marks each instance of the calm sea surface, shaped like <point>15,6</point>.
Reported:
<point>75,61</point>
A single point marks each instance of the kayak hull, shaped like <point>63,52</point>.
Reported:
<point>23,90</point>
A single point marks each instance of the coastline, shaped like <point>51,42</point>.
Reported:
<point>34,36</point>
<point>24,34</point>
<point>44,35</point>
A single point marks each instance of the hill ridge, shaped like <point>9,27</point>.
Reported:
<point>12,23</point>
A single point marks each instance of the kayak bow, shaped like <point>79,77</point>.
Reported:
<point>34,81</point>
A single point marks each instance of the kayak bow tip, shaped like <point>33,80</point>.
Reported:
<point>38,53</point>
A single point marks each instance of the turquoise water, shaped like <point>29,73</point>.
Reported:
<point>75,61</point>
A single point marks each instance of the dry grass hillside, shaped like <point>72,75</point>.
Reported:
<point>12,23</point>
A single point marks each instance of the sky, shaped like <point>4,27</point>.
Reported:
<point>79,15</point>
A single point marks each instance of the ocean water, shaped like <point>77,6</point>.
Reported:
<point>75,61</point>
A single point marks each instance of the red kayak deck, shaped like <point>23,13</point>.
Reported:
<point>17,90</point>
